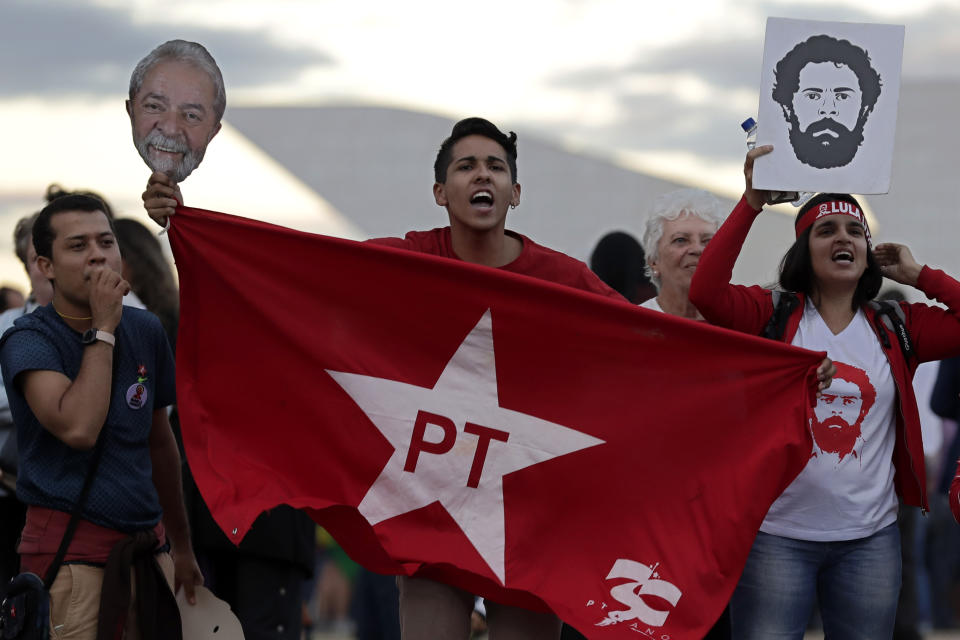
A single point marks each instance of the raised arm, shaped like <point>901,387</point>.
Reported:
<point>935,332</point>
<point>74,410</point>
<point>745,309</point>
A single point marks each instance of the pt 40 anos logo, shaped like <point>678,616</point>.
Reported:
<point>644,594</point>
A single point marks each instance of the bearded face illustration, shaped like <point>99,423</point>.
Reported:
<point>826,88</point>
<point>839,414</point>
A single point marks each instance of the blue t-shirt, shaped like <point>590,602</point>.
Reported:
<point>51,474</point>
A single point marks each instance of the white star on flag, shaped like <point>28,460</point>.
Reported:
<point>443,469</point>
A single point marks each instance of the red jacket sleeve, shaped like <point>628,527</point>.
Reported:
<point>935,331</point>
<point>746,309</point>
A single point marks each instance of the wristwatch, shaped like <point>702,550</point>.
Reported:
<point>90,336</point>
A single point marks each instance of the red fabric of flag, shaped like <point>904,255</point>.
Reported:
<point>535,444</point>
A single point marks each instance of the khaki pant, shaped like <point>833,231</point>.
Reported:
<point>75,601</point>
<point>431,610</point>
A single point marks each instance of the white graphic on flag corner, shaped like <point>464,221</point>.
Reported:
<point>642,580</point>
<point>454,443</point>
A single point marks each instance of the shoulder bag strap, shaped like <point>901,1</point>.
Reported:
<point>84,492</point>
<point>75,515</point>
<point>784,302</point>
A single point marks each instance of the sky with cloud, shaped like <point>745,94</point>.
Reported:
<point>63,49</point>
<point>613,76</point>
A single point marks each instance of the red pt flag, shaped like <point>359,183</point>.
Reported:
<point>535,444</point>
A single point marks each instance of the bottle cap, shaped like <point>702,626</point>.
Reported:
<point>748,124</point>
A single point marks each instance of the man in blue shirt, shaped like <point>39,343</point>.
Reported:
<point>85,369</point>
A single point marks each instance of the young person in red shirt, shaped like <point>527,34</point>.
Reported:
<point>476,182</point>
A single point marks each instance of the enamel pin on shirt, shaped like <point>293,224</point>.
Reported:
<point>137,393</point>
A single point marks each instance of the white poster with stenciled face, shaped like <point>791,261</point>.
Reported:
<point>828,105</point>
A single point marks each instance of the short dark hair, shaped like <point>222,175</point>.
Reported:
<point>823,48</point>
<point>475,127</point>
<point>43,234</point>
<point>55,191</point>
<point>618,260</point>
<point>796,268</point>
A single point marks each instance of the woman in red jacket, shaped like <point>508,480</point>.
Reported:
<point>832,534</point>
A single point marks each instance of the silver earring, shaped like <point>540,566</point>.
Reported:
<point>513,205</point>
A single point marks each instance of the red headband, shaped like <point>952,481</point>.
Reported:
<point>830,208</point>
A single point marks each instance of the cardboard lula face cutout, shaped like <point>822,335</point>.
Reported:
<point>173,117</point>
<point>828,105</point>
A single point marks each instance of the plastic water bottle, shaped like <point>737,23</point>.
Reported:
<point>802,198</point>
<point>750,126</point>
<point>775,197</point>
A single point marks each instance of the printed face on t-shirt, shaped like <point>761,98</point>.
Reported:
<point>839,414</point>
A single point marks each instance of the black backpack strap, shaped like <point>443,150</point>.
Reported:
<point>784,302</point>
<point>890,316</point>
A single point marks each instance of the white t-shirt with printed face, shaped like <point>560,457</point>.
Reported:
<point>846,490</point>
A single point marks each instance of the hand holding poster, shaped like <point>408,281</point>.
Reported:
<point>828,105</point>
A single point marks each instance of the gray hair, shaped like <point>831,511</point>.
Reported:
<point>190,53</point>
<point>22,233</point>
<point>670,206</point>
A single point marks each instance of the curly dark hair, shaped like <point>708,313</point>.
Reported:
<point>823,48</point>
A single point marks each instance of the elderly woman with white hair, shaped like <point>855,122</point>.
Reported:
<point>679,226</point>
